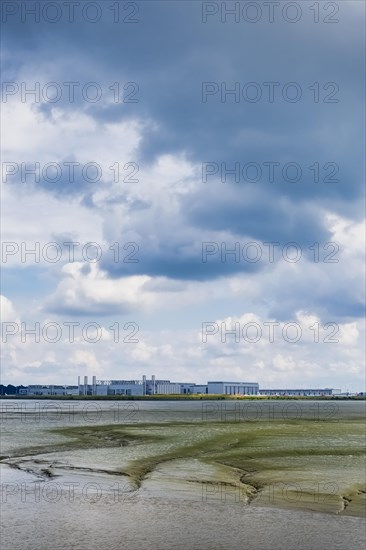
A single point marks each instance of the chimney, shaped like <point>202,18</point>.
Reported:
<point>85,385</point>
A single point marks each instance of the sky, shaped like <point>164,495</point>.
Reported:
<point>190,178</point>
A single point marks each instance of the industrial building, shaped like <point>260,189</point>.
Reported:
<point>152,386</point>
<point>144,386</point>
<point>300,392</point>
<point>233,388</point>
<point>38,389</point>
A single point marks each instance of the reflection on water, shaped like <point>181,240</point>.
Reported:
<point>182,474</point>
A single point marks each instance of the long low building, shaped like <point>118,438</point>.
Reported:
<point>300,392</point>
<point>233,388</point>
<point>153,386</point>
<point>41,390</point>
<point>114,387</point>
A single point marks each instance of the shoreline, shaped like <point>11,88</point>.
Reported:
<point>184,397</point>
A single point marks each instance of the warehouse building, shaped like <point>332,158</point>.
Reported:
<point>233,388</point>
<point>165,387</point>
<point>44,390</point>
<point>152,386</point>
<point>118,387</point>
<point>299,392</point>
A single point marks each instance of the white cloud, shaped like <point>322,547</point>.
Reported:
<point>7,310</point>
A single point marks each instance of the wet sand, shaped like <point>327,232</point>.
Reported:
<point>179,465</point>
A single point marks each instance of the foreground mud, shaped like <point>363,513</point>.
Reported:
<point>299,464</point>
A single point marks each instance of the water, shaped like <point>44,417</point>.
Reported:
<point>169,475</point>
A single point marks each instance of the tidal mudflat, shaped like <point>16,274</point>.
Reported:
<point>306,458</point>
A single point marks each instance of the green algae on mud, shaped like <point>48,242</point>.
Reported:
<point>302,463</point>
<point>317,466</point>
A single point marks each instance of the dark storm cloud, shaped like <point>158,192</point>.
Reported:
<point>170,53</point>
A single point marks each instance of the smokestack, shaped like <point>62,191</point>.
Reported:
<point>85,385</point>
<point>94,385</point>
<point>153,383</point>
<point>144,384</point>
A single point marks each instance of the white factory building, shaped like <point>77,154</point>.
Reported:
<point>233,388</point>
<point>301,392</point>
<point>39,389</point>
<point>153,386</point>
